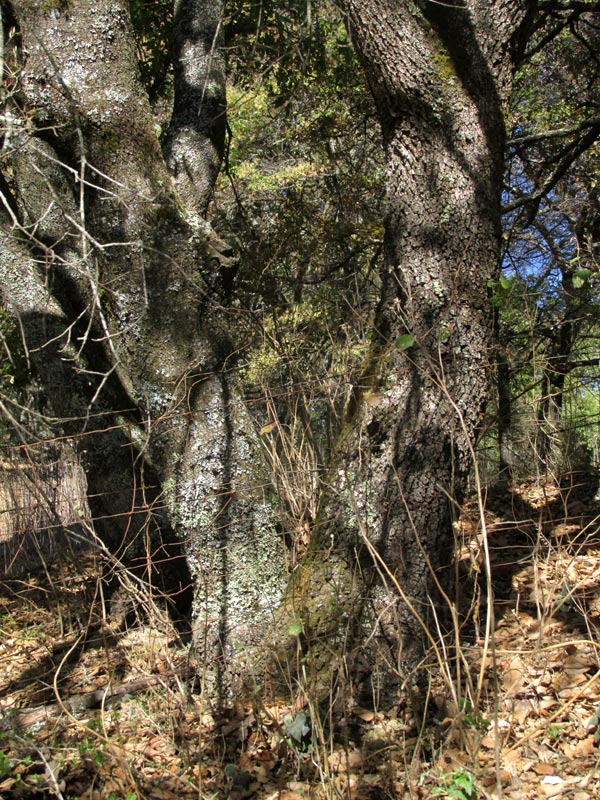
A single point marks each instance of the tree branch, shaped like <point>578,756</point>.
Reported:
<point>569,155</point>
<point>557,133</point>
<point>577,6</point>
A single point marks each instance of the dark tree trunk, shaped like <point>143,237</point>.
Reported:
<point>554,454</point>
<point>383,545</point>
<point>505,460</point>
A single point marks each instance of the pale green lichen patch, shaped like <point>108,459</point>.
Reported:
<point>225,511</point>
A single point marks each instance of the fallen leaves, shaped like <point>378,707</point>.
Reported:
<point>539,698</point>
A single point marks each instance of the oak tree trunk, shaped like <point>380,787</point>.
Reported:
<point>372,588</point>
<point>114,277</point>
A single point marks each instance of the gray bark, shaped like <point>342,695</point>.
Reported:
<point>120,314</point>
<point>196,135</point>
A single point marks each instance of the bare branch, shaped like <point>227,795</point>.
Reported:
<point>569,155</point>
<point>557,133</point>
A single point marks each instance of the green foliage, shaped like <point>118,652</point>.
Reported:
<point>303,196</point>
<point>471,717</point>
<point>290,336</point>
<point>548,308</point>
<point>152,22</point>
<point>89,748</point>
<point>405,341</point>
<point>459,784</point>
<point>499,291</point>
<point>5,767</point>
<point>298,732</point>
<point>581,277</point>
<point>550,88</point>
<point>290,46</point>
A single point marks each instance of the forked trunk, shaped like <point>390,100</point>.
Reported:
<point>112,278</point>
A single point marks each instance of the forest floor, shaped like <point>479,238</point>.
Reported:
<point>90,712</point>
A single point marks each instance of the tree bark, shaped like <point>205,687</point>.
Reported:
<point>372,586</point>
<point>128,336</point>
<point>196,135</point>
<point>111,271</point>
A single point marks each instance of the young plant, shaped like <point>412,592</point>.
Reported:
<point>459,784</point>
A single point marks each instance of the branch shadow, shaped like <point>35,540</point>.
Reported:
<point>124,493</point>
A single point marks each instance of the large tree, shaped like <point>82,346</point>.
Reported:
<point>114,276</point>
<point>441,77</point>
<point>119,284</point>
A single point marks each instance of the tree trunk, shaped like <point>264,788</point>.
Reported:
<point>382,549</point>
<point>109,275</point>
<point>195,139</point>
<point>505,455</point>
<point>554,453</point>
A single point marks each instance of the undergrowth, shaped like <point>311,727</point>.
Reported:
<point>91,710</point>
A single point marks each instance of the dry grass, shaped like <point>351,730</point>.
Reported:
<point>89,711</point>
<point>38,502</point>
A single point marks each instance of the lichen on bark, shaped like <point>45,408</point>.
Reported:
<point>133,266</point>
<point>439,87</point>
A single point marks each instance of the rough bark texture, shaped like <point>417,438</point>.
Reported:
<point>107,265</point>
<point>382,550</point>
<point>119,312</point>
<point>195,139</point>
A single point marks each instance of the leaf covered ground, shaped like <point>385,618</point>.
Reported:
<point>98,713</point>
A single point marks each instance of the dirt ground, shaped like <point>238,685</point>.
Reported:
<point>91,711</point>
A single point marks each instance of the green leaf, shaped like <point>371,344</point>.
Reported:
<point>405,341</point>
<point>4,764</point>
<point>505,283</point>
<point>446,333</point>
<point>298,727</point>
<point>580,277</point>
<point>295,628</point>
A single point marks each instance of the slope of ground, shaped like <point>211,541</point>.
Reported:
<point>91,711</point>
